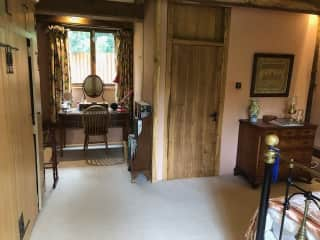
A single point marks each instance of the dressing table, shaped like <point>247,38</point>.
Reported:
<point>71,118</point>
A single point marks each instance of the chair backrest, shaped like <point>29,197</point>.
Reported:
<point>96,120</point>
<point>49,139</point>
<point>49,134</point>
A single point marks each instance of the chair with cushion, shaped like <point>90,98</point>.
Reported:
<point>50,160</point>
<point>95,123</point>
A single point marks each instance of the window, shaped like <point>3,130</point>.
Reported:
<point>80,55</point>
<point>91,57</point>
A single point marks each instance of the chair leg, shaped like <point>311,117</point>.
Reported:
<point>44,176</point>
<point>85,142</point>
<point>106,142</point>
<point>54,178</point>
<point>55,174</point>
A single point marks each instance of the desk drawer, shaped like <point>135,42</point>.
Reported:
<point>71,121</point>
<point>288,133</point>
<point>297,142</point>
<point>307,132</point>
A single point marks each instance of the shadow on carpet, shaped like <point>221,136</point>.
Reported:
<point>92,157</point>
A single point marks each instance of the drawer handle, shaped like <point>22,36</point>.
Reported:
<point>307,132</point>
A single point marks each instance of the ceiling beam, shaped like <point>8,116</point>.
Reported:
<point>302,6</point>
<point>83,22</point>
<point>99,9</point>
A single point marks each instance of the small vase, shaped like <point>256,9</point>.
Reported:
<point>253,110</point>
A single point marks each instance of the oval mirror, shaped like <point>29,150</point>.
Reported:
<point>93,86</point>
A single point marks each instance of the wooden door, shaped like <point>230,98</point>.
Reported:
<point>22,134</point>
<point>8,204</point>
<point>17,161</point>
<point>196,53</point>
<point>18,171</point>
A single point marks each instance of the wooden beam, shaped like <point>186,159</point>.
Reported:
<point>302,6</point>
<point>314,76</point>
<point>83,22</point>
<point>196,42</point>
<point>115,11</point>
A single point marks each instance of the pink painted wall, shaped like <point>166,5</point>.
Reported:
<point>255,30</point>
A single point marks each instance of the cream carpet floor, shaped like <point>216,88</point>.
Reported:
<point>100,203</point>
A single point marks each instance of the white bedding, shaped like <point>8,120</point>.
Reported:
<point>292,222</point>
<point>291,227</point>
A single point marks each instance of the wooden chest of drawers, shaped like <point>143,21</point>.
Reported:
<point>295,142</point>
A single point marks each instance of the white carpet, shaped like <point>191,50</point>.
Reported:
<point>93,203</point>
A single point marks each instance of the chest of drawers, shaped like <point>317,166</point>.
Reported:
<point>295,142</point>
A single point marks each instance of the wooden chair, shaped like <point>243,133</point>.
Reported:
<point>95,123</point>
<point>50,151</point>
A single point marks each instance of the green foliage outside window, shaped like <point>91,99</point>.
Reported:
<point>79,42</point>
<point>104,42</point>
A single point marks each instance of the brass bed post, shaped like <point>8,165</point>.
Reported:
<point>270,156</point>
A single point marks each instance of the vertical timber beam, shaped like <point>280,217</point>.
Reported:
<point>159,169</point>
<point>314,75</point>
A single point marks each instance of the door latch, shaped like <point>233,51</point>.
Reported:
<point>22,226</point>
<point>214,116</point>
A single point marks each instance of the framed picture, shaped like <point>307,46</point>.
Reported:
<point>271,75</point>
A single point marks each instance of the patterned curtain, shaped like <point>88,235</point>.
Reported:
<point>59,68</point>
<point>124,46</point>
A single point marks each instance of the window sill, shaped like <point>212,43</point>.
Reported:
<point>106,86</point>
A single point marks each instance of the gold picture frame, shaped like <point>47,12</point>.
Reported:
<point>271,75</point>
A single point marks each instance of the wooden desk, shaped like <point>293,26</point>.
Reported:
<point>73,120</point>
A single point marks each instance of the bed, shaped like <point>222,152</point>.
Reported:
<point>293,220</point>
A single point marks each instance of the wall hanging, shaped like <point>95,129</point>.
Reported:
<point>271,75</point>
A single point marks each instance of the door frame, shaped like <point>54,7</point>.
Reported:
<point>37,118</point>
<point>168,90</point>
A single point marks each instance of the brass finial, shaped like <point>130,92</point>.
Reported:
<point>271,140</point>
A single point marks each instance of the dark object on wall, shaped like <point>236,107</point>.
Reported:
<point>9,57</point>
<point>3,4</point>
<point>7,7</point>
<point>238,85</point>
<point>9,60</point>
<point>140,158</point>
<point>295,142</point>
<point>271,75</point>
<point>114,106</point>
